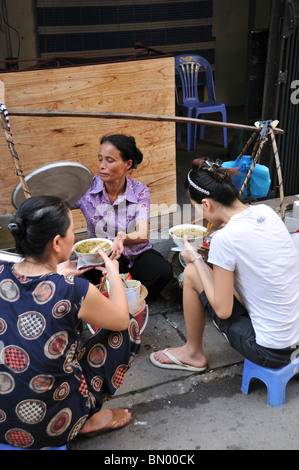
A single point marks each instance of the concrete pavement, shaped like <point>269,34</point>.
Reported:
<point>183,411</point>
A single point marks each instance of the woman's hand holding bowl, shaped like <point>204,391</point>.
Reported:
<point>189,253</point>
<point>69,268</point>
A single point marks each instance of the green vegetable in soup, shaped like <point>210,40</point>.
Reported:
<point>87,246</point>
<point>190,232</point>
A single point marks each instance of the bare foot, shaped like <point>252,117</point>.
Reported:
<point>183,355</point>
<point>99,420</point>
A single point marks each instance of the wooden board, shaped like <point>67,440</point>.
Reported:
<point>145,86</point>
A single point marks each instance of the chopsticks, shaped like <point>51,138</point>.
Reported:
<point>126,286</point>
<point>104,282</point>
<point>209,228</point>
<point>95,249</point>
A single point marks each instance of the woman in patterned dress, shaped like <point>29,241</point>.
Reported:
<point>118,207</point>
<point>51,386</point>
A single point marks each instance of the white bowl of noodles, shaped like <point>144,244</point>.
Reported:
<point>194,233</point>
<point>83,248</point>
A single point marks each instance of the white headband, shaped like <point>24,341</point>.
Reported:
<point>197,187</point>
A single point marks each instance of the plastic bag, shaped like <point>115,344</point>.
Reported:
<point>259,180</point>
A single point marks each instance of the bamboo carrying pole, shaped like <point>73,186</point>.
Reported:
<point>270,130</point>
<point>149,117</point>
<point>144,117</point>
<point>255,157</point>
<point>279,174</point>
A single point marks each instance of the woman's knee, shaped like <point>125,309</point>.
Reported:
<point>191,278</point>
<point>189,272</point>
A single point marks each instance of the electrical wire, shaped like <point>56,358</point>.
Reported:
<point>5,19</point>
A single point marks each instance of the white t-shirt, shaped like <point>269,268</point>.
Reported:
<point>257,246</point>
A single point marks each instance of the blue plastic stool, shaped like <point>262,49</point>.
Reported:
<point>9,447</point>
<point>275,379</point>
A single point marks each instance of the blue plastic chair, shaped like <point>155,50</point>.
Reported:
<point>275,379</point>
<point>189,68</point>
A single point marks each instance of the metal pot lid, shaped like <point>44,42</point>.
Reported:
<point>67,180</point>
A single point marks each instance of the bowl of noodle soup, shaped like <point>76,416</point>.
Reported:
<point>83,248</point>
<point>194,233</point>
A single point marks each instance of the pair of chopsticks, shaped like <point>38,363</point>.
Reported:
<point>209,228</point>
<point>104,282</point>
<point>126,285</point>
<point>95,249</point>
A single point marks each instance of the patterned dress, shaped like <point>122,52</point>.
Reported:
<point>49,383</point>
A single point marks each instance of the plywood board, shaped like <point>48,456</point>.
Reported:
<point>145,87</point>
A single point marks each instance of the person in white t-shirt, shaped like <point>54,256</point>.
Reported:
<point>252,291</point>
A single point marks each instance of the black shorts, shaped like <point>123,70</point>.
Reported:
<point>240,333</point>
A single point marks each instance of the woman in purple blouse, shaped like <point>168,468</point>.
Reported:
<point>118,207</point>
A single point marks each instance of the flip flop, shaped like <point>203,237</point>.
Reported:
<point>176,363</point>
<point>118,416</point>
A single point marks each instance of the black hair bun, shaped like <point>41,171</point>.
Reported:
<point>17,227</point>
<point>136,155</point>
